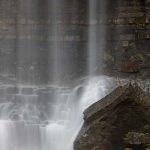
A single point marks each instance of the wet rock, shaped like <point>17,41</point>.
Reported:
<point>12,90</point>
<point>128,149</point>
<point>107,122</point>
<point>129,67</point>
<point>27,91</point>
<point>45,97</point>
<point>135,138</point>
<point>2,100</point>
<point>25,98</point>
<point>2,92</point>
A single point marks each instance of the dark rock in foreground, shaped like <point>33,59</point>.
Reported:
<point>110,120</point>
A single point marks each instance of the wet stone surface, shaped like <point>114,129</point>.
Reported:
<point>31,104</point>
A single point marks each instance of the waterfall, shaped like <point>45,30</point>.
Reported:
<point>96,35</point>
<point>92,43</point>
<point>38,111</point>
<point>25,126</point>
<point>56,46</point>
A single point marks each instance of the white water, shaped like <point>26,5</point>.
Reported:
<point>96,35</point>
<point>49,117</point>
<point>64,121</point>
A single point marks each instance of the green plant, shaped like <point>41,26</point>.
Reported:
<point>129,137</point>
<point>137,58</point>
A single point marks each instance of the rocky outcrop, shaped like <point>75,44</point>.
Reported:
<point>137,140</point>
<point>110,120</point>
<point>129,45</point>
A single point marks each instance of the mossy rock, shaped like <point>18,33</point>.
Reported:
<point>108,122</point>
<point>137,138</point>
<point>140,20</point>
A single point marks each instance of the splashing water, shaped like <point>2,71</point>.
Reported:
<point>29,131</point>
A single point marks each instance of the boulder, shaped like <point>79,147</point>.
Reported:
<point>107,121</point>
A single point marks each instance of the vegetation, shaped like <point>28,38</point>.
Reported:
<point>138,58</point>
<point>140,20</point>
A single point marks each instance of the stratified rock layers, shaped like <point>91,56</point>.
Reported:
<point>28,32</point>
<point>109,121</point>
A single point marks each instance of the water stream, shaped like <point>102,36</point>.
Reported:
<point>37,111</point>
<point>28,124</point>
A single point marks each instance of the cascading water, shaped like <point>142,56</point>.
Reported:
<point>93,43</point>
<point>25,126</point>
<point>96,35</point>
<point>47,116</point>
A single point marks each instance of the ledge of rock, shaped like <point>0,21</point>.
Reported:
<point>109,121</point>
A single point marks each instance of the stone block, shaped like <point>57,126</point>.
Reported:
<point>27,91</point>
<point>12,90</point>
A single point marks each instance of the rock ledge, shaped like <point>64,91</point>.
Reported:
<point>108,122</point>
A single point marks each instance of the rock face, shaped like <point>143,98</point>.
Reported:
<point>22,22</point>
<point>109,121</point>
<point>27,27</point>
<point>130,57</point>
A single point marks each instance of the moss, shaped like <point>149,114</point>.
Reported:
<point>137,138</point>
<point>147,136</point>
<point>137,58</point>
<point>129,137</point>
<point>140,20</point>
<point>146,128</point>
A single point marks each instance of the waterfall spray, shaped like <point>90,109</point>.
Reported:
<point>49,116</point>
